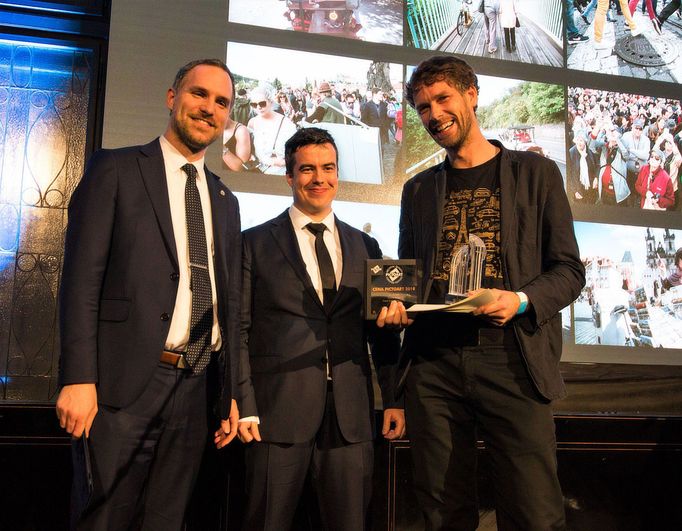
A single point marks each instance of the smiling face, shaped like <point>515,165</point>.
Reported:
<point>199,107</point>
<point>314,179</point>
<point>446,113</point>
<point>261,104</point>
<point>654,162</point>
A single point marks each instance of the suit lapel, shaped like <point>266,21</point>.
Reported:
<point>508,189</point>
<point>352,248</point>
<point>218,215</point>
<point>283,232</point>
<point>153,175</point>
<point>433,217</point>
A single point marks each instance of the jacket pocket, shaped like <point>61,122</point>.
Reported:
<point>114,309</point>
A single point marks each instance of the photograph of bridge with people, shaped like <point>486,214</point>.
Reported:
<point>528,31</point>
<point>632,296</point>
<point>523,115</point>
<point>624,150</point>
<point>366,20</point>
<point>278,91</point>
<point>633,38</point>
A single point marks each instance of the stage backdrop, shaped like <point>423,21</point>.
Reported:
<point>626,323</point>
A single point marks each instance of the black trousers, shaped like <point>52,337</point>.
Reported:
<point>668,10</point>
<point>458,394</point>
<point>510,39</point>
<point>341,475</point>
<point>144,458</point>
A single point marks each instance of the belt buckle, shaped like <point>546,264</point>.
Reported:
<point>182,362</point>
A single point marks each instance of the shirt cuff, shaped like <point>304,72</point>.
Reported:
<point>251,419</point>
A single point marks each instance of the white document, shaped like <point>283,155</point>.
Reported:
<point>462,306</point>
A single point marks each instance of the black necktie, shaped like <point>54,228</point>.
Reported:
<point>324,262</point>
<point>201,323</point>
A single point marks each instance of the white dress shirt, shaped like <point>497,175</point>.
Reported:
<point>176,178</point>
<point>306,244</point>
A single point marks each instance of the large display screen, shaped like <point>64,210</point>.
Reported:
<point>582,88</point>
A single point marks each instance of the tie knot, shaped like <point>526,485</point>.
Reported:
<point>190,170</point>
<point>316,228</point>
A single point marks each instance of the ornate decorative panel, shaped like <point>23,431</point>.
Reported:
<point>45,94</point>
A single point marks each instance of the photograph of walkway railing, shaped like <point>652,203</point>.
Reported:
<point>433,25</point>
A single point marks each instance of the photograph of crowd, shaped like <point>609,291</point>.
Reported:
<point>523,115</point>
<point>379,221</point>
<point>624,150</point>
<point>528,31</point>
<point>366,20</point>
<point>634,38</point>
<point>633,291</point>
<point>357,100</point>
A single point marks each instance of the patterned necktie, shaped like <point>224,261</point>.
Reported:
<point>324,262</point>
<point>201,323</point>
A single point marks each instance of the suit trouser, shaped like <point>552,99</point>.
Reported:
<point>341,474</point>
<point>145,457</point>
<point>458,394</point>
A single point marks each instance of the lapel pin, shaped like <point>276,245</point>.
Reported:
<point>222,192</point>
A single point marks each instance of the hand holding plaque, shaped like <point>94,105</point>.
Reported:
<point>390,280</point>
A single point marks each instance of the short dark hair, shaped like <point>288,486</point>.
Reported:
<point>184,70</point>
<point>306,136</point>
<point>455,72</point>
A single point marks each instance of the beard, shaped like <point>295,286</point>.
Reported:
<point>453,143</point>
<point>194,141</point>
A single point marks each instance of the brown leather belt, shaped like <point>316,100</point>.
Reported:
<point>176,359</point>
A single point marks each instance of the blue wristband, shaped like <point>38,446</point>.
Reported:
<point>523,306</point>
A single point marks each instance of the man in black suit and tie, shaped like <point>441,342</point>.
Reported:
<point>305,388</point>
<point>149,306</point>
<point>491,374</point>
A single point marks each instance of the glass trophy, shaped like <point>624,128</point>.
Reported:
<point>466,268</point>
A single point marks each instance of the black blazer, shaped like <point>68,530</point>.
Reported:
<point>287,335</point>
<point>539,254</point>
<point>120,274</point>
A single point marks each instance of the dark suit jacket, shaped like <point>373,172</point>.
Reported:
<point>287,335</point>
<point>538,250</point>
<point>120,274</point>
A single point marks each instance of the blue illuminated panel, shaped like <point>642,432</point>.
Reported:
<point>68,7</point>
<point>45,94</point>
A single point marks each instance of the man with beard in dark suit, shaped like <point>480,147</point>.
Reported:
<point>149,309</point>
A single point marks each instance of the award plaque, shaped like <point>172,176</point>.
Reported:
<point>390,280</point>
<point>466,268</point>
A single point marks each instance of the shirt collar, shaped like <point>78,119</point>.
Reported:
<point>174,159</point>
<point>300,220</point>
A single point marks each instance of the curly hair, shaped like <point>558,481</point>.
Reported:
<point>455,72</point>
